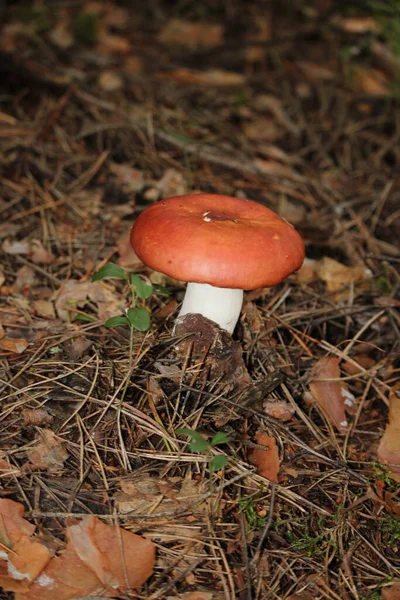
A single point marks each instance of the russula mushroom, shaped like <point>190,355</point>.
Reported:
<point>221,246</point>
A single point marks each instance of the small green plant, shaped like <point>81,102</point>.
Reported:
<point>248,506</point>
<point>199,444</point>
<point>391,528</point>
<point>382,473</point>
<point>136,317</point>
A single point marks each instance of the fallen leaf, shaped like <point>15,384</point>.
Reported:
<point>99,560</point>
<point>22,557</point>
<point>6,470</point>
<point>212,77</point>
<point>37,417</point>
<point>278,409</point>
<point>48,452</point>
<point>60,36</point>
<point>316,72</point>
<point>338,277</point>
<point>128,259</point>
<point>264,129</point>
<point>333,397</point>
<point>130,180</point>
<point>74,294</point>
<point>370,81</point>
<point>25,278</point>
<point>16,247</point>
<point>191,35</point>
<point>78,347</point>
<point>110,81</point>
<point>357,24</point>
<point>39,254</point>
<point>265,460</point>
<point>14,345</point>
<point>44,308</point>
<point>12,524</point>
<point>172,183</point>
<point>389,446</point>
<point>392,592</point>
<point>199,595</point>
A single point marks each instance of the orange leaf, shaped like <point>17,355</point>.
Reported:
<point>392,592</point>
<point>332,397</point>
<point>99,559</point>
<point>266,461</point>
<point>389,447</point>
<point>22,558</point>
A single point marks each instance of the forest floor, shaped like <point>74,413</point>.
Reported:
<point>106,108</point>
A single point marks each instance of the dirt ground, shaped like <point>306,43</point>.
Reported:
<point>104,109</point>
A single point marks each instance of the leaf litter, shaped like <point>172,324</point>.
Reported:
<point>108,111</point>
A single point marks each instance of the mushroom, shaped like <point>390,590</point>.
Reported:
<point>221,246</point>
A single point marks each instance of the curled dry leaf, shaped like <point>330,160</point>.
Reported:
<point>389,447</point>
<point>74,294</point>
<point>336,275</point>
<point>266,460</point>
<point>37,417</point>
<point>22,557</point>
<point>333,397</point>
<point>99,559</point>
<point>48,452</point>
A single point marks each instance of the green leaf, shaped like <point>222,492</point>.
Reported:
<point>198,443</point>
<point>143,290</point>
<point>160,290</point>
<point>139,318</point>
<point>110,271</point>
<point>83,317</point>
<point>220,438</point>
<point>218,462</point>
<point>116,321</point>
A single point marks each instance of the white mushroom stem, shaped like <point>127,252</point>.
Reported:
<point>221,305</point>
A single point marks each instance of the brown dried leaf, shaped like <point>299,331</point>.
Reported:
<point>130,180</point>
<point>6,470</point>
<point>266,461</point>
<point>23,564</point>
<point>36,417</point>
<point>26,557</point>
<point>172,183</point>
<point>191,35</point>
<point>128,259</point>
<point>110,81</point>
<point>212,77</point>
<point>48,452</point>
<point>357,24</point>
<point>74,293</point>
<point>39,254</point>
<point>392,592</point>
<point>44,308</point>
<point>25,278</point>
<point>332,397</point>
<point>389,447</point>
<point>15,345</point>
<point>12,524</point>
<point>279,409</point>
<point>99,559</point>
<point>371,81</point>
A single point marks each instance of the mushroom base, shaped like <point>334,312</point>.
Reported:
<point>221,305</point>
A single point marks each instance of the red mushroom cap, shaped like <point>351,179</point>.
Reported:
<point>224,241</point>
